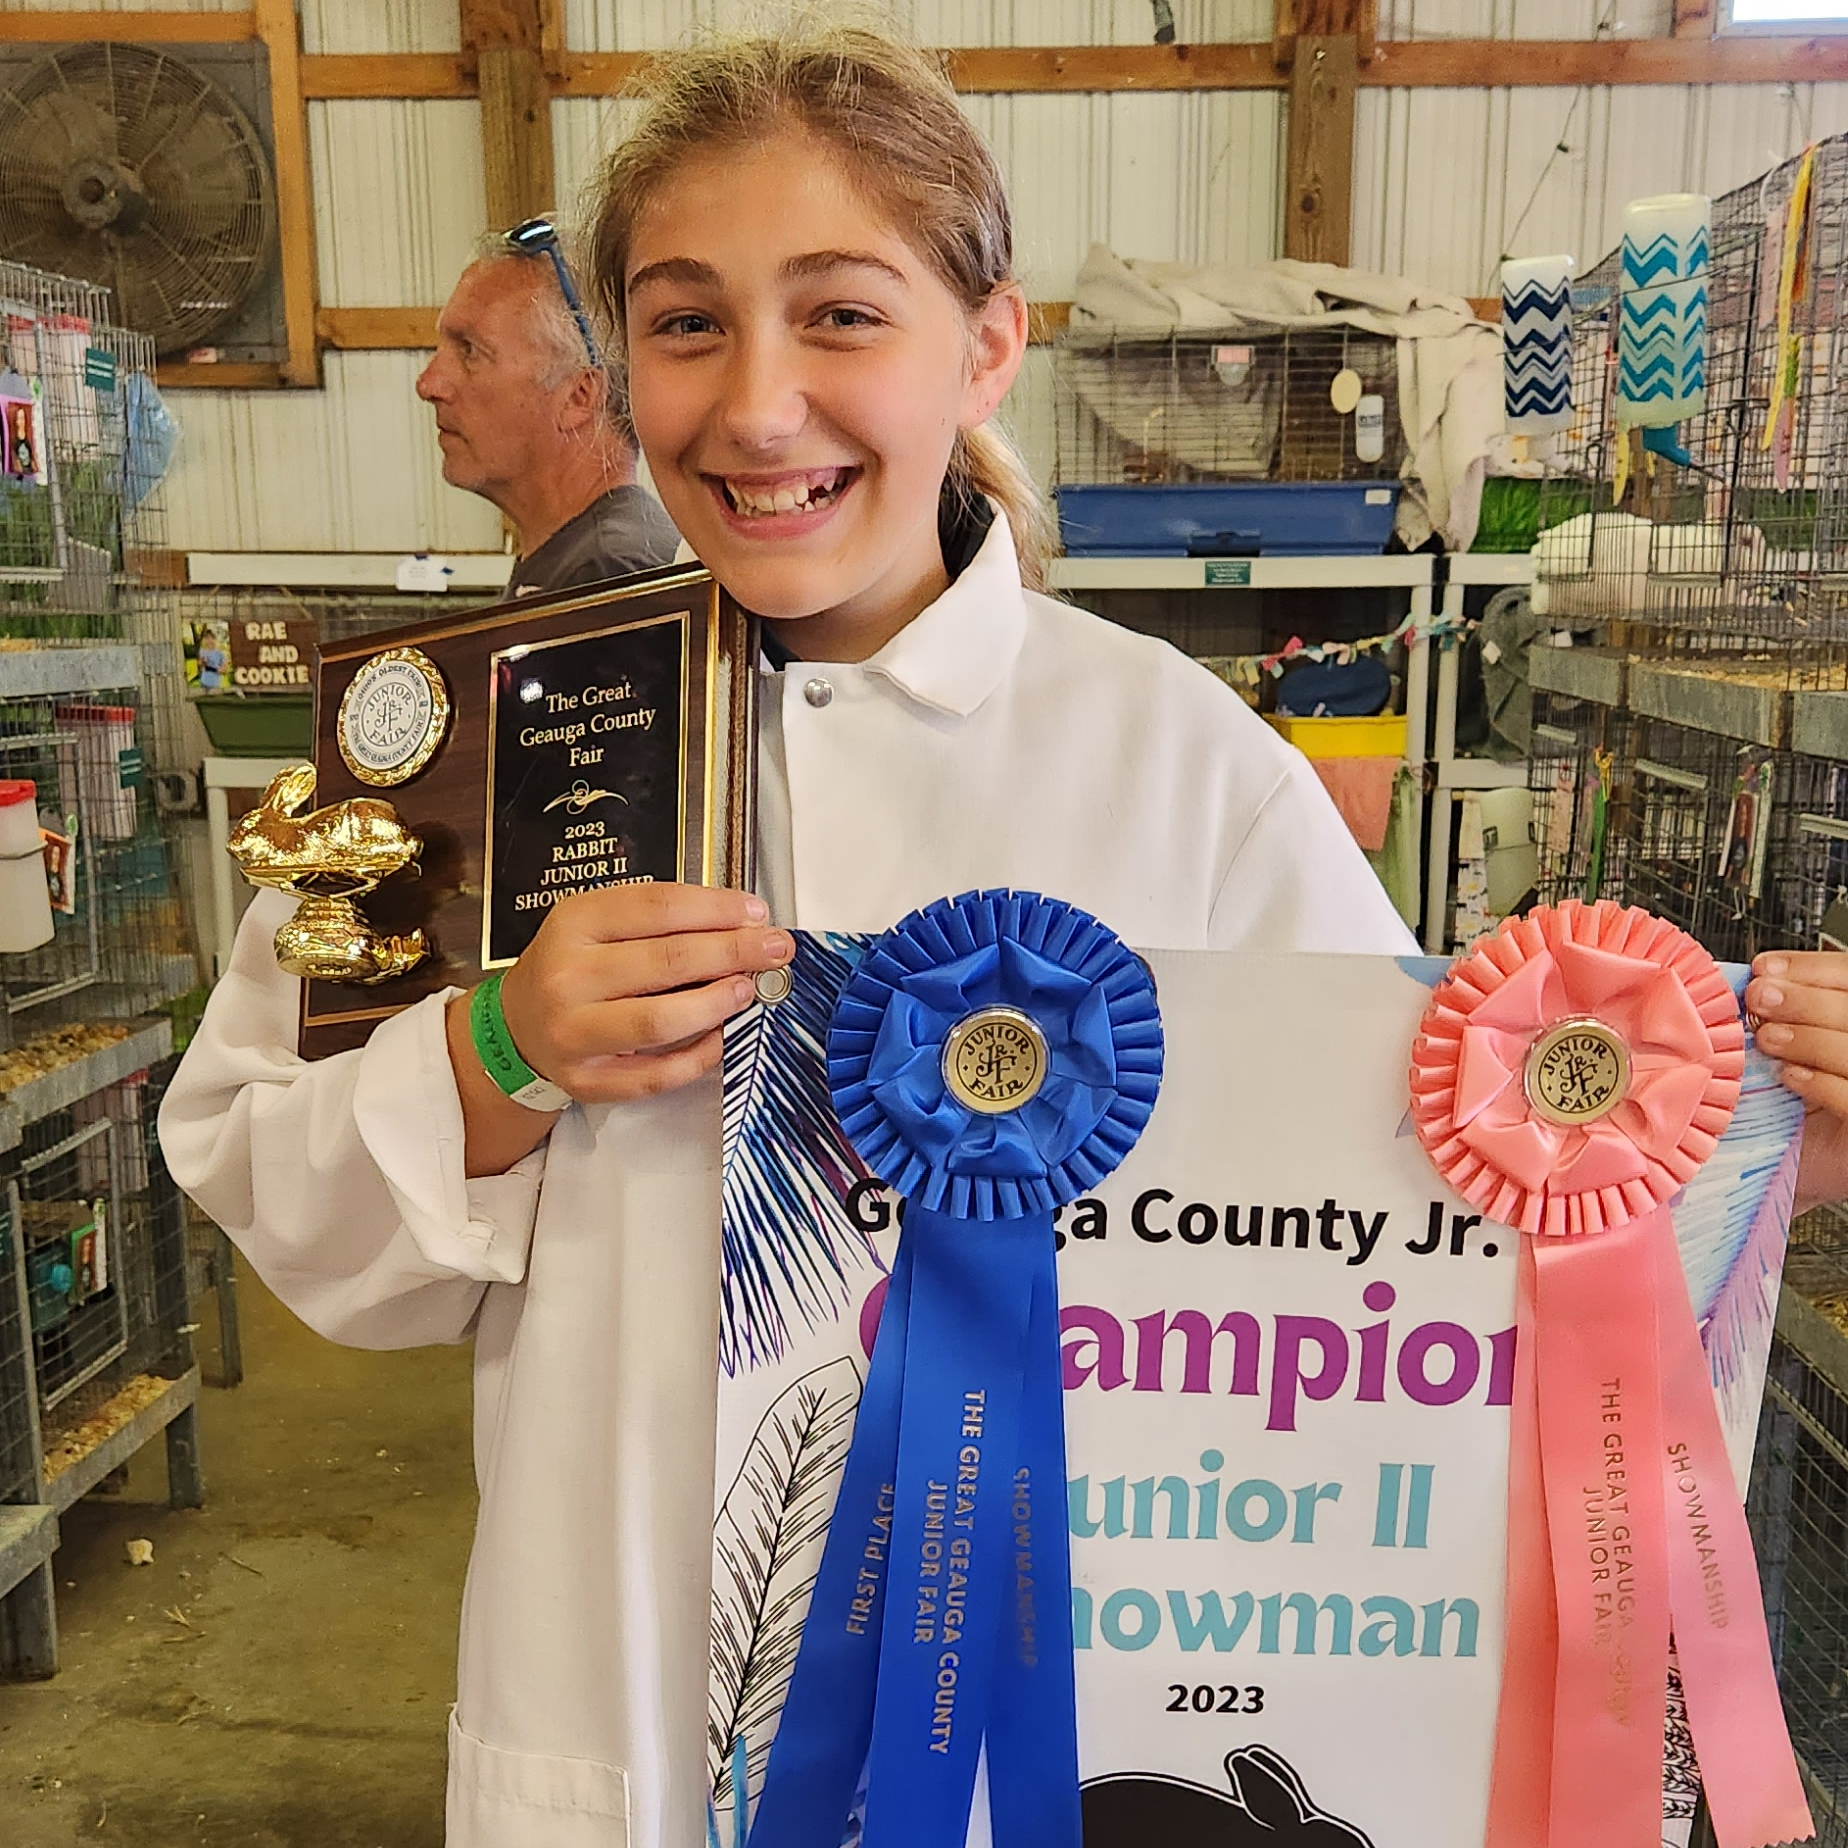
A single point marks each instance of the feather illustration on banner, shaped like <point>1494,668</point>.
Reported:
<point>787,1235</point>
<point>1730,1224</point>
<point>767,1546</point>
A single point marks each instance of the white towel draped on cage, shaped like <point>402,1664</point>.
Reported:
<point>1450,363</point>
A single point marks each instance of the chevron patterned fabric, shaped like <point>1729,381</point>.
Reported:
<point>1537,344</point>
<point>1662,324</point>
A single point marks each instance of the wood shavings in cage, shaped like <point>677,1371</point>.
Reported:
<point>74,1445</point>
<point>49,1051</point>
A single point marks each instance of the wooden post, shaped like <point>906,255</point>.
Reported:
<point>1323,44</point>
<point>281,35</point>
<point>509,41</point>
<point>1358,19</point>
<point>1319,172</point>
<point>1696,19</point>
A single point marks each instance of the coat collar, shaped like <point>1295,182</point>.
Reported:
<point>956,651</point>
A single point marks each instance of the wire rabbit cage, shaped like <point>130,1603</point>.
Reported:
<point>1188,405</point>
<point>95,1281</point>
<point>1799,1508</point>
<point>1174,440</point>
<point>1574,751</point>
<point>1711,568</point>
<point>1725,568</point>
<point>90,688</point>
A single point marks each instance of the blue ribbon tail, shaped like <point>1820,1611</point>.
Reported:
<point>1033,1729</point>
<point>741,1790</point>
<point>952,1563</point>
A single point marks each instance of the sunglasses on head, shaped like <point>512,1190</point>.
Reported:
<point>538,237</point>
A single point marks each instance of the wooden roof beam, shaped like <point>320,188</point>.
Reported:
<point>1491,64</point>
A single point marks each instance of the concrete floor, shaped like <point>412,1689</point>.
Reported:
<point>281,1675</point>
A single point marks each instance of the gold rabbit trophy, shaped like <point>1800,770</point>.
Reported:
<point>328,858</point>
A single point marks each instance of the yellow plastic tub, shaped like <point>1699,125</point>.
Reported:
<point>1383,736</point>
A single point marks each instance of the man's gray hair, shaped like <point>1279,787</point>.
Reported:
<point>555,328</point>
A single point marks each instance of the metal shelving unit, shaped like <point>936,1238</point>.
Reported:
<point>1363,571</point>
<point>1450,775</point>
<point>93,1364</point>
<point>459,571</point>
<point>1369,571</point>
<point>95,1280</point>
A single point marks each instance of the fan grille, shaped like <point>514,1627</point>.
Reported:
<point>122,165</point>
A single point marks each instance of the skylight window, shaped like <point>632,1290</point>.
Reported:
<point>1789,12</point>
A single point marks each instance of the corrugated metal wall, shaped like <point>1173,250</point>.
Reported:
<point>1447,182</point>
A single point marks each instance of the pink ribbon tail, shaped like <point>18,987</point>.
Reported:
<point>1520,1782</point>
<point>1600,1422</point>
<point>1754,1790</point>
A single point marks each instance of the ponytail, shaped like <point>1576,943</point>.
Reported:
<point>986,461</point>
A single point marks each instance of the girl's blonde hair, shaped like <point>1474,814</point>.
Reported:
<point>890,113</point>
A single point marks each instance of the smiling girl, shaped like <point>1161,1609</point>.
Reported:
<point>805,252</point>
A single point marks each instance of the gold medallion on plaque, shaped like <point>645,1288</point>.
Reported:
<point>995,1060</point>
<point>1577,1072</point>
<point>393,717</point>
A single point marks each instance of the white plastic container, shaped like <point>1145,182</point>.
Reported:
<point>104,734</point>
<point>1537,344</point>
<point>1662,319</point>
<point>25,904</point>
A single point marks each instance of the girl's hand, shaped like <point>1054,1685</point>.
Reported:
<point>624,993</point>
<point>1801,1000</point>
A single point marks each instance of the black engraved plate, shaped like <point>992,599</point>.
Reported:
<point>588,778</point>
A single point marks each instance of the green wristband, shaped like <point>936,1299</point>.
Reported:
<point>500,1058</point>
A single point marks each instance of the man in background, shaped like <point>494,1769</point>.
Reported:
<point>529,417</point>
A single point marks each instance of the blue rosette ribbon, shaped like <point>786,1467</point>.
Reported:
<point>994,1056</point>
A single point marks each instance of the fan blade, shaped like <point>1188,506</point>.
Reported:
<point>75,79</point>
<point>203,235</point>
<point>176,118</point>
<point>75,121</point>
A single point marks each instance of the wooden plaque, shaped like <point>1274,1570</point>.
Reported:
<point>593,738</point>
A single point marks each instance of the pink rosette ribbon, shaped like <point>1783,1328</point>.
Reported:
<point>1571,1074</point>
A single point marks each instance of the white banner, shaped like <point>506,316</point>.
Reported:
<point>1288,1353</point>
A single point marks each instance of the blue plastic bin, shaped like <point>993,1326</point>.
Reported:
<point>1227,519</point>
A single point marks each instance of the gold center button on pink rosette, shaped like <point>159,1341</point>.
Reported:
<point>1574,1070</point>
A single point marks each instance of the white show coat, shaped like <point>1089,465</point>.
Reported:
<point>1000,739</point>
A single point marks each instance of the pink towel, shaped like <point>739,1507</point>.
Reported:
<point>1362,789</point>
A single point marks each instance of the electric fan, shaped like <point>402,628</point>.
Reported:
<point>122,165</point>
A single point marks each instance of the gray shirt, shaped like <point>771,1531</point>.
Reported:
<point>622,531</point>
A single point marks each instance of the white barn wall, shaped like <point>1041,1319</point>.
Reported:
<point>1450,181</point>
<point>129,6</point>
<point>380,25</point>
<point>353,467</point>
<point>1193,176</point>
<point>1445,183</point>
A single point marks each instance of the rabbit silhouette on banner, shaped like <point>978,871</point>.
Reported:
<point>1268,1807</point>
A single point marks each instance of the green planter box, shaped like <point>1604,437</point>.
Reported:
<point>259,725</point>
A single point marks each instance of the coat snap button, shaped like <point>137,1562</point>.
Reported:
<point>818,693</point>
